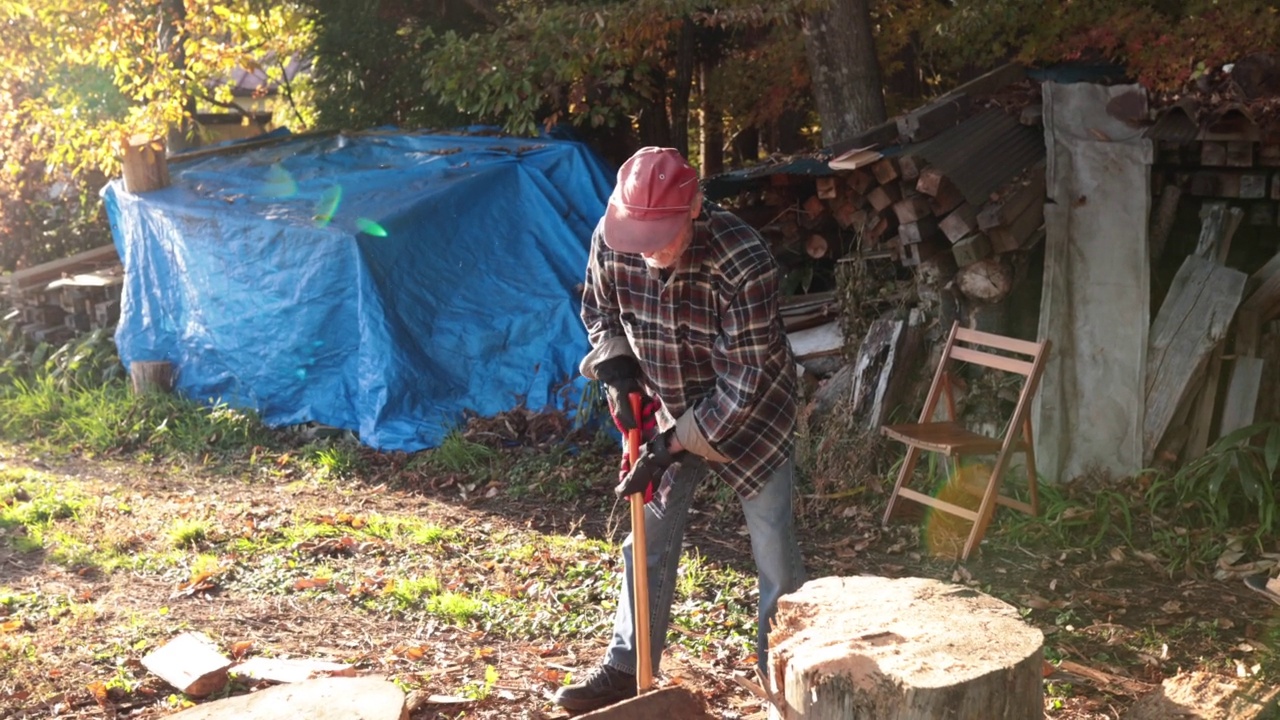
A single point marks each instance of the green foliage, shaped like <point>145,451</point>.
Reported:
<point>1233,484</point>
<point>75,396</point>
<point>1163,43</point>
<point>368,68</point>
<point>598,64</point>
<point>80,77</point>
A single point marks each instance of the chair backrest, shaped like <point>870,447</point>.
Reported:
<point>1023,357</point>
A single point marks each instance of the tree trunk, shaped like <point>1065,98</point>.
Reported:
<point>746,146</point>
<point>873,648</point>
<point>683,87</point>
<point>151,376</point>
<point>710,128</point>
<point>844,69</point>
<point>170,39</point>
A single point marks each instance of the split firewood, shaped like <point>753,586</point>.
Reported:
<point>911,209</point>
<point>930,180</point>
<point>960,223</point>
<point>861,181</point>
<point>987,281</point>
<point>886,170</point>
<point>884,196</point>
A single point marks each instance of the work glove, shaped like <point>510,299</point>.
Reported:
<point>621,377</point>
<point>655,458</point>
<point>648,428</point>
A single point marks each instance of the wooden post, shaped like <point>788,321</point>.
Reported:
<point>867,648</point>
<point>151,376</point>
<point>145,165</point>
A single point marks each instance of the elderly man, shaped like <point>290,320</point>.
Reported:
<point>681,305</point>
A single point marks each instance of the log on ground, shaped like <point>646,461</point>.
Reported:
<point>873,648</point>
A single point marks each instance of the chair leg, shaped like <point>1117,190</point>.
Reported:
<point>908,467</point>
<point>1032,492</point>
<point>985,511</point>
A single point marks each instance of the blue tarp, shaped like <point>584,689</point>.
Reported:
<point>383,282</point>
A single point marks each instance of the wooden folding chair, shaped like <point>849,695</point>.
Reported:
<point>950,438</point>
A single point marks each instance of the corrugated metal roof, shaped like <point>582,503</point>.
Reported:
<point>981,153</point>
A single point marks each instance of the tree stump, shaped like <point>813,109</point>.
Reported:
<point>145,165</point>
<point>873,648</point>
<point>151,376</point>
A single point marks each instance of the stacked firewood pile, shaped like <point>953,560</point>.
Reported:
<point>58,300</point>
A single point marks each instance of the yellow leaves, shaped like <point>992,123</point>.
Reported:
<point>99,692</point>
<point>13,625</point>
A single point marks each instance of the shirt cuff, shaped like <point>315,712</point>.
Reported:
<point>692,439</point>
<point>610,348</point>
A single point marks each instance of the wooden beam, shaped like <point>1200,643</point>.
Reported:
<point>942,114</point>
<point>1014,200</point>
<point>960,223</point>
<point>1007,238</point>
<point>1194,318</point>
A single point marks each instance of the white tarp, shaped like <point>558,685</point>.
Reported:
<point>1095,306</point>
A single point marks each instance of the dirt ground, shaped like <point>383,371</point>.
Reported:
<point>1115,623</point>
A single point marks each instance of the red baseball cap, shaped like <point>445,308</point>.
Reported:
<point>651,202</point>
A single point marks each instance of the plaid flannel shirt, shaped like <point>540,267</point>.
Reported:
<point>709,340</point>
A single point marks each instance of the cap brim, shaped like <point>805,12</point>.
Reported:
<point>628,235</point>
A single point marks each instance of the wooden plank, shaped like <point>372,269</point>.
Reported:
<point>999,342</point>
<point>1193,319</point>
<point>1162,220</point>
<point>1014,201</point>
<point>986,359</point>
<point>911,209</point>
<point>45,272</point>
<point>971,249</point>
<point>1213,154</point>
<point>1228,184</point>
<point>1239,154</point>
<point>1242,394</point>
<point>1262,305</point>
<point>873,369</point>
<point>1007,238</point>
<point>960,223</point>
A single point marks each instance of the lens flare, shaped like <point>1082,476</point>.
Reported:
<point>945,534</point>
<point>279,183</point>
<point>369,227</point>
<point>327,207</point>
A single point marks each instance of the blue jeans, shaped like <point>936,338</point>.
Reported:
<point>773,545</point>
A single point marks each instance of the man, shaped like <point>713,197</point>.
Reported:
<point>681,304</point>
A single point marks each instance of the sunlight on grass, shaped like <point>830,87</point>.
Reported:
<point>408,593</point>
<point>459,455</point>
<point>455,607</point>
<point>188,532</point>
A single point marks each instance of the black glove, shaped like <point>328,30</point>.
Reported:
<point>621,377</point>
<point>655,458</point>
